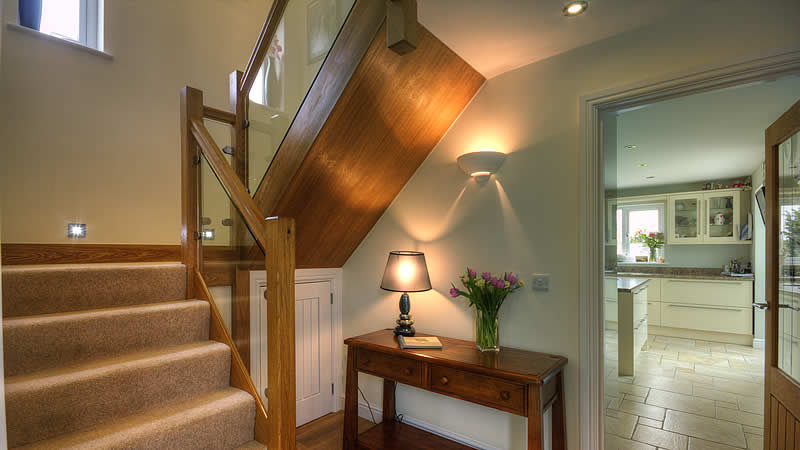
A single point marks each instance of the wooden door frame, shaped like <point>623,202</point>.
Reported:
<point>776,383</point>
<point>335,277</point>
<point>707,78</point>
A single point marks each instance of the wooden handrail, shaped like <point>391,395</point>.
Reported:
<point>231,183</point>
<point>262,45</point>
<point>219,115</point>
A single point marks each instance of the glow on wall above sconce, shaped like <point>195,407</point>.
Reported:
<point>481,165</point>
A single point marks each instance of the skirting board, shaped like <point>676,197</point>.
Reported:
<point>759,344</point>
<point>727,338</point>
<point>363,412</point>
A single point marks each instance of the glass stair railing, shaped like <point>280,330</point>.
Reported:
<point>295,56</point>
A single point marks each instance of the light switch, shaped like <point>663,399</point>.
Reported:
<point>541,282</point>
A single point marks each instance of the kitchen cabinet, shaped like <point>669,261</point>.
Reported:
<point>632,324</point>
<point>611,222</point>
<point>610,301</point>
<point>712,217</point>
<point>707,305</point>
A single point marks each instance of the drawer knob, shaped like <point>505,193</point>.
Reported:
<point>445,381</point>
<point>505,395</point>
<point>407,371</point>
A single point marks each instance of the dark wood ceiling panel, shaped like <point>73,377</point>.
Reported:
<point>391,114</point>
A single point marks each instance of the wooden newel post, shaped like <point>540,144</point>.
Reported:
<point>191,109</point>
<point>401,25</point>
<point>280,267</point>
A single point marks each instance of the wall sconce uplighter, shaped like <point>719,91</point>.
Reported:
<point>481,165</point>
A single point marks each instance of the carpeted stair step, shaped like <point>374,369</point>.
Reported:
<point>65,400</point>
<point>35,343</point>
<point>35,290</point>
<point>252,445</point>
<point>219,420</point>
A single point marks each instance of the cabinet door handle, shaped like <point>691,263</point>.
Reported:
<point>793,308</point>
<point>407,371</point>
<point>761,306</point>
<point>444,381</point>
<point>720,308</point>
<point>505,395</point>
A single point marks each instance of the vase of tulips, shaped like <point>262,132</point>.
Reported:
<point>653,241</point>
<point>486,293</point>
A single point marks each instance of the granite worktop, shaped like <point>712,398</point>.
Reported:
<point>685,273</point>
<point>629,284</point>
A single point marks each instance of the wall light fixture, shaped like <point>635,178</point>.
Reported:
<point>481,165</point>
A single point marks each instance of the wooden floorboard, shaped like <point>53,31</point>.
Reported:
<point>325,433</point>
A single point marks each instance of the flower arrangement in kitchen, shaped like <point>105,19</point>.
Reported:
<point>487,293</point>
<point>653,241</point>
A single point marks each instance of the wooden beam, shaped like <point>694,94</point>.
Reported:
<point>219,115</point>
<point>240,377</point>
<point>401,25</point>
<point>280,265</point>
<point>32,254</point>
<point>191,110</point>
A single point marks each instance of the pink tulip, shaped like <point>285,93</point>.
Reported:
<point>454,293</point>
<point>486,276</point>
<point>472,273</point>
<point>651,235</point>
<point>512,279</point>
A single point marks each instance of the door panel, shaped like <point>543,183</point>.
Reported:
<point>782,390</point>
<point>313,343</point>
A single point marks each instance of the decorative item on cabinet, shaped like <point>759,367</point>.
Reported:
<point>405,272</point>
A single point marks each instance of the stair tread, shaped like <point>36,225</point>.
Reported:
<point>92,368</point>
<point>161,425</point>
<point>252,445</point>
<point>41,342</point>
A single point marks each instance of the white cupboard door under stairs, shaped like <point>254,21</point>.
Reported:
<point>313,344</point>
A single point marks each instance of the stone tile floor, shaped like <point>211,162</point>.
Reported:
<point>686,395</point>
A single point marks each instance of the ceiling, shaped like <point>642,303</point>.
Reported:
<point>495,37</point>
<point>711,136</point>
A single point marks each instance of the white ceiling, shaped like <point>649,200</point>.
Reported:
<point>712,136</point>
<point>497,36</point>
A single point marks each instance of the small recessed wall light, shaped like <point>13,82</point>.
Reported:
<point>76,230</point>
<point>641,165</point>
<point>481,165</point>
<point>575,8</point>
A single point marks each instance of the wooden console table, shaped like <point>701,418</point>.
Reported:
<point>517,381</point>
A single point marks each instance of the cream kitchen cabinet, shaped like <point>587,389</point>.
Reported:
<point>720,306</point>
<point>633,322</point>
<point>712,217</point>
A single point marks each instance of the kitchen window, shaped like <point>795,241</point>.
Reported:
<point>648,218</point>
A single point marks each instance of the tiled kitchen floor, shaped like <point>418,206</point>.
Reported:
<point>686,394</point>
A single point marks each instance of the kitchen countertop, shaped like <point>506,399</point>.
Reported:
<point>629,284</point>
<point>683,276</point>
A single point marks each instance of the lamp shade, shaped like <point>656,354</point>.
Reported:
<point>406,272</point>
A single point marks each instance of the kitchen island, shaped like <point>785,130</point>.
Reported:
<point>632,322</point>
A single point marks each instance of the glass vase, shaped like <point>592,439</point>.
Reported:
<point>487,331</point>
<point>653,257</point>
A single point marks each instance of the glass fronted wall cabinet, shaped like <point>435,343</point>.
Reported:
<point>714,217</point>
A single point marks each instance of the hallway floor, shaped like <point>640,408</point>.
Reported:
<point>686,394</point>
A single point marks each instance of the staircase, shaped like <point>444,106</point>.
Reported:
<point>114,356</point>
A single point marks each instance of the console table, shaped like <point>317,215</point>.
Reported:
<point>517,381</point>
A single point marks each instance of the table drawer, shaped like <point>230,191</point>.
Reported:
<point>406,371</point>
<point>477,388</point>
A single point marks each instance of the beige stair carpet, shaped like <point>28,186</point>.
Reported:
<point>113,356</point>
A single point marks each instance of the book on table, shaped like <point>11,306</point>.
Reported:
<point>419,342</point>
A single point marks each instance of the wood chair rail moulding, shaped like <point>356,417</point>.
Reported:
<point>240,377</point>
<point>268,31</point>
<point>33,254</point>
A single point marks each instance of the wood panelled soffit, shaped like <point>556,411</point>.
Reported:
<point>393,111</point>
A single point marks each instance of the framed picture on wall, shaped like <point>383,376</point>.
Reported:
<point>320,15</point>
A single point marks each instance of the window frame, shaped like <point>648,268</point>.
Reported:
<point>624,221</point>
<point>90,25</point>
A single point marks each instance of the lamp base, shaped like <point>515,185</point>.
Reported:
<point>404,330</point>
<point>405,323</point>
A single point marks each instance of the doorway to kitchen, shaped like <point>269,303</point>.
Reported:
<point>684,262</point>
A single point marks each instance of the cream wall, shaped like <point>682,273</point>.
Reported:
<point>526,218</point>
<point>97,141</point>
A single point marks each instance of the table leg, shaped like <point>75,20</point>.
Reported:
<point>559,419</point>
<point>535,423</point>
<point>350,438</point>
<point>388,400</point>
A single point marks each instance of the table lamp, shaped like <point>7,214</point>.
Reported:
<point>405,272</point>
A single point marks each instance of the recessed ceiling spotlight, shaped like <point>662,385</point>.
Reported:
<point>650,177</point>
<point>630,147</point>
<point>641,165</point>
<point>575,8</point>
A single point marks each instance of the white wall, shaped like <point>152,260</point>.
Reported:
<point>96,141</point>
<point>526,219</point>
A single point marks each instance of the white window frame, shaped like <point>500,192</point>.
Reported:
<point>91,28</point>
<point>626,209</point>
